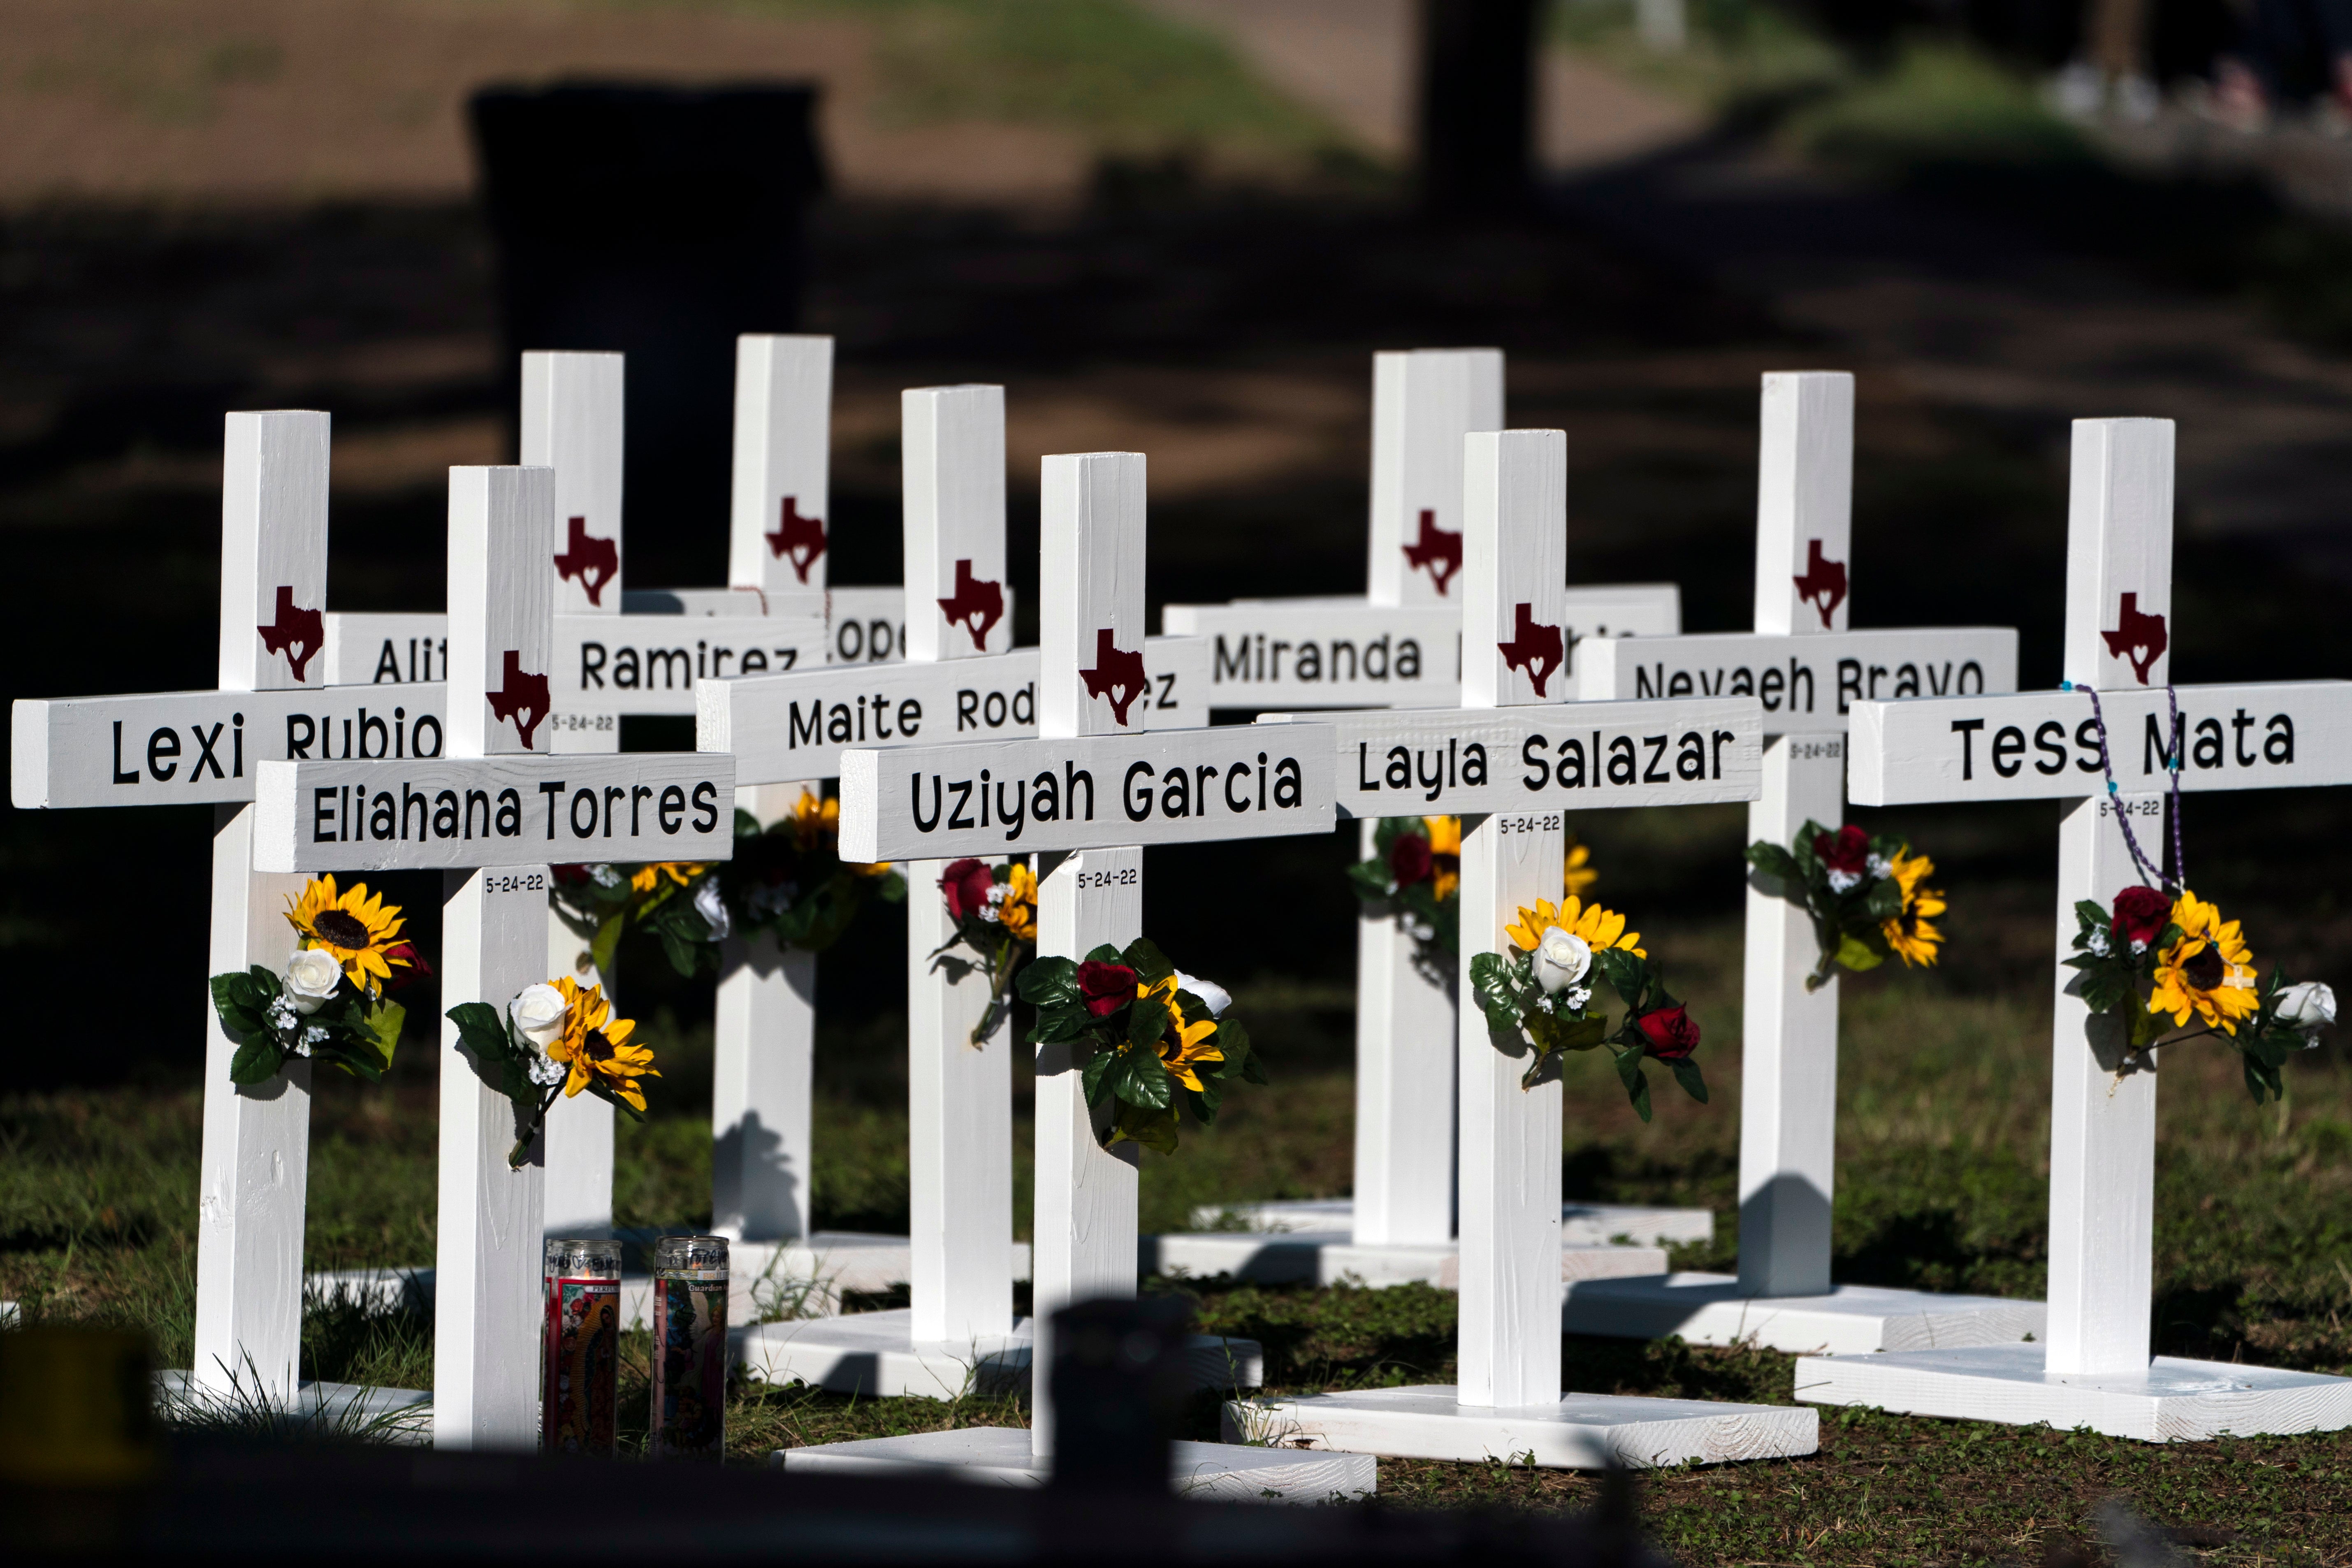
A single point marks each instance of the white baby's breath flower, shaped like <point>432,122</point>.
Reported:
<point>1844,881</point>
<point>545,1073</point>
<point>2099,944</point>
<point>711,905</point>
<point>605,876</point>
<point>1879,867</point>
<point>1577,999</point>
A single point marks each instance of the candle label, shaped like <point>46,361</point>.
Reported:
<point>690,1391</point>
<point>583,1344</point>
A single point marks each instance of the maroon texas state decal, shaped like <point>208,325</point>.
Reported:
<point>294,628</point>
<point>1436,551</point>
<point>1118,675</point>
<point>1534,648</point>
<point>519,694</point>
<point>1823,582</point>
<point>977,607</point>
<point>2137,637</point>
<point>797,538</point>
<point>588,559</point>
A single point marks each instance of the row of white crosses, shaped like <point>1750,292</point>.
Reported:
<point>1516,759</point>
<point>207,747</point>
<point>1399,646</point>
<point>618,652</point>
<point>2093,1368</point>
<point>961,682</point>
<point>491,813</point>
<point>1093,787</point>
<point>1808,670</point>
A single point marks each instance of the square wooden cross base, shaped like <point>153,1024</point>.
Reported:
<point>1581,1432</point>
<point>1850,1320</point>
<point>2173,1401</point>
<point>875,1353</point>
<point>1581,1223</point>
<point>1333,1257</point>
<point>1000,1455</point>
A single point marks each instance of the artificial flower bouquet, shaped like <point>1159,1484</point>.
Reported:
<point>1148,1038</point>
<point>676,900</point>
<point>331,1004</point>
<point>1545,987</point>
<point>1868,896</point>
<point>1414,874</point>
<point>2170,964</point>
<point>995,912</point>
<point>558,1037</point>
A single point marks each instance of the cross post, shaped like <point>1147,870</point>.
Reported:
<point>1807,668</point>
<point>273,700</point>
<point>2093,1369</point>
<point>491,813</point>
<point>1511,763</point>
<point>1400,646</point>
<point>1088,793</point>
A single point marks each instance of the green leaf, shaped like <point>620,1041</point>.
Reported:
<point>1693,1082</point>
<point>1152,1129</point>
<point>1240,1050</point>
<point>1885,899</point>
<point>1136,1077</point>
<point>383,1028</point>
<point>1151,965</point>
<point>1491,984</point>
<point>1627,974</point>
<point>607,943</point>
<point>1553,1033</point>
<point>256,1060</point>
<point>1091,1075</point>
<point>1147,1020</point>
<point>1856,953</point>
<point>1637,1083</point>
<point>2091,914</point>
<point>1105,953</point>
<point>1775,862</point>
<point>1048,982</point>
<point>2106,985</point>
<point>1057,1025</point>
<point>1371,878</point>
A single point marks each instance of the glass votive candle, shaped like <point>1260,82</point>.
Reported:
<point>690,1392</point>
<point>581,1353</point>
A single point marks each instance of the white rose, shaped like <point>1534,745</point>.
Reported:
<point>1560,960</point>
<point>1209,990</point>
<point>2308,1007</point>
<point>538,1015</point>
<point>312,976</point>
<point>712,908</point>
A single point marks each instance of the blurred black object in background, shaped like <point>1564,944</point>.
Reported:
<point>1477,97</point>
<point>1120,1381</point>
<point>660,222</point>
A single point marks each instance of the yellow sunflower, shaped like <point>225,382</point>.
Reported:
<point>358,928</point>
<point>815,821</point>
<point>1579,874</point>
<point>1185,1044</point>
<point>596,1045</point>
<point>1598,927</point>
<point>646,878</point>
<point>1019,909</point>
<point>2209,973</point>
<point>1908,934</point>
<point>1444,855</point>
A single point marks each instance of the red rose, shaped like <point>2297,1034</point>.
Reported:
<point>1409,859</point>
<point>1106,987</point>
<point>569,876</point>
<point>1671,1032</point>
<point>2140,914</point>
<point>406,965</point>
<point>965,887</point>
<point>1847,849</point>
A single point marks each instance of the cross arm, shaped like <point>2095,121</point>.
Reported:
<point>519,809</point>
<point>1582,756</point>
<point>649,664</point>
<point>1170,786</point>
<point>2045,744</point>
<point>1806,684</point>
<point>176,748</point>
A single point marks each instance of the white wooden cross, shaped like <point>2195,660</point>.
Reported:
<point>1512,763</point>
<point>2094,1368</point>
<point>273,701</point>
<point>1093,786</point>
<point>1807,669</point>
<point>491,814</point>
<point>620,651</point>
<point>963,680</point>
<point>1401,646</point>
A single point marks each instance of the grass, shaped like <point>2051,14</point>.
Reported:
<point>1942,1184</point>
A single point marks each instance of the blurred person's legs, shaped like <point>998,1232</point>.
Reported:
<point>2112,69</point>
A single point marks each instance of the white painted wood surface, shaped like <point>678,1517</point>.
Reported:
<point>254,1162</point>
<point>784,436</point>
<point>1351,653</point>
<point>797,725</point>
<point>1581,1431</point>
<point>377,648</point>
<point>1171,786</point>
<point>1843,1320</point>
<point>999,1456</point>
<point>1405,1072</point>
<point>1335,1258</point>
<point>649,664</point>
<point>430,816</point>
<point>492,1218</point>
<point>763,1106</point>
<point>2095,1368</point>
<point>185,748</point>
<point>1581,1223</point>
<point>951,449</point>
<point>1808,686</point>
<point>1423,401</point>
<point>1084,1232</point>
<point>2168,1400</point>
